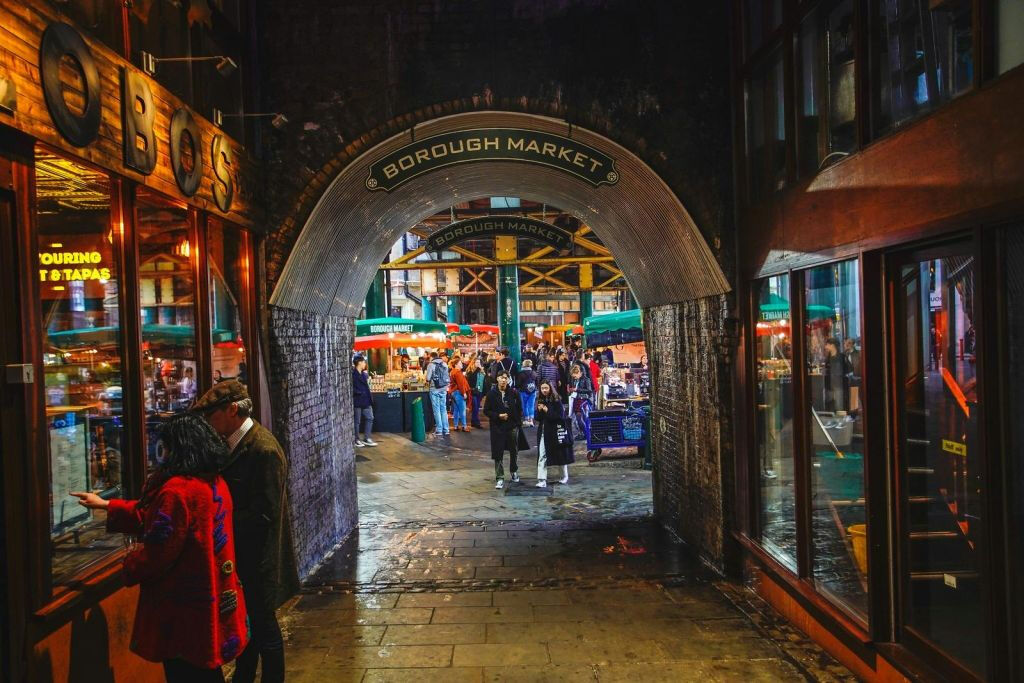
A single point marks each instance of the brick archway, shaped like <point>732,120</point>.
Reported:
<point>349,228</point>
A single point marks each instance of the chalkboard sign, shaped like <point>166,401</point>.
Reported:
<point>394,393</point>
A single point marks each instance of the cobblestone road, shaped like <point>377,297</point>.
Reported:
<point>447,579</point>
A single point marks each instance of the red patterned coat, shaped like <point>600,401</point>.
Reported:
<point>190,599</point>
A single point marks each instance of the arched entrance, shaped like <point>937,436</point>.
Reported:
<point>656,243</point>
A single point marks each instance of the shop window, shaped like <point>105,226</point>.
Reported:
<point>228,255</point>
<point>759,17</point>
<point>765,129</point>
<point>774,354</point>
<point>83,356</point>
<point>826,126</point>
<point>923,50</point>
<point>101,19</point>
<point>1014,384</point>
<point>1010,34</point>
<point>167,295</point>
<point>162,29</point>
<point>832,339</point>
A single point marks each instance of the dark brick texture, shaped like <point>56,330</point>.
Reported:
<point>311,396</point>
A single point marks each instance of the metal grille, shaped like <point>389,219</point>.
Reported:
<point>605,429</point>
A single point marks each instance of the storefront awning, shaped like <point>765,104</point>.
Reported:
<point>398,341</point>
<point>624,327</point>
<point>375,326</point>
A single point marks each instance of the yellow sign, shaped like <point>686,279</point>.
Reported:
<point>954,447</point>
<point>85,266</point>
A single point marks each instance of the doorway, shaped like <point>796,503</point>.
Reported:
<point>941,534</point>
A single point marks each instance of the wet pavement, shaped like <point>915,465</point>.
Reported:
<point>448,579</point>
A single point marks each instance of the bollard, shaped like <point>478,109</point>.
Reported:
<point>419,432</point>
<point>648,449</point>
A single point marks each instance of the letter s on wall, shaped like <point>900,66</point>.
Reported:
<point>58,40</point>
<point>223,183</point>
<point>185,132</point>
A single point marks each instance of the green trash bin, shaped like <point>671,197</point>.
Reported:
<point>419,431</point>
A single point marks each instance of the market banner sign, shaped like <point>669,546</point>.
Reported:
<point>489,226</point>
<point>492,144</point>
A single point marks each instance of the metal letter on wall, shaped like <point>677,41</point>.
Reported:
<point>60,40</point>
<point>137,118</point>
<point>223,184</point>
<point>185,144</point>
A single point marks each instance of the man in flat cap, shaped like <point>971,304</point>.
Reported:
<point>256,473</point>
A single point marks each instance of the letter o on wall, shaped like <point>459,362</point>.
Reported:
<point>188,180</point>
<point>60,40</point>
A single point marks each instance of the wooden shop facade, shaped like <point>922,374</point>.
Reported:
<point>880,450</point>
<point>127,266</point>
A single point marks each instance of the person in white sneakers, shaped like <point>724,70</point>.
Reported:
<point>554,437</point>
<point>504,410</point>
<point>362,401</point>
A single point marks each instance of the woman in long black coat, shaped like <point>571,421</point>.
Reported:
<point>549,416</point>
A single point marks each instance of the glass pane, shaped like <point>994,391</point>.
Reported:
<point>766,129</point>
<point>1010,34</point>
<point>838,514</point>
<point>924,57</point>
<point>162,29</point>
<point>167,297</point>
<point>102,19</point>
<point>774,351</point>
<point>939,460</point>
<point>827,99</point>
<point>1014,383</point>
<point>753,24</point>
<point>229,287</point>
<point>82,356</point>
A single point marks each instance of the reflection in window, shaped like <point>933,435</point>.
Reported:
<point>827,95</point>
<point>775,419</point>
<point>82,355</point>
<point>167,297</point>
<point>766,129</point>
<point>1010,36</point>
<point>838,515</point>
<point>229,287</point>
<point>924,57</point>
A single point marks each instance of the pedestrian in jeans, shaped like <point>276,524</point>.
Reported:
<point>362,401</point>
<point>475,377</point>
<point>438,380</point>
<point>459,389</point>
<point>526,382</point>
<point>505,412</point>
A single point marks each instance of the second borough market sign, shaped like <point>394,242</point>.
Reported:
<point>492,144</point>
<point>489,226</point>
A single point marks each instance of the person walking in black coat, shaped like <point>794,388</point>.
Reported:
<point>551,416</point>
<point>563,365</point>
<point>504,409</point>
<point>362,401</point>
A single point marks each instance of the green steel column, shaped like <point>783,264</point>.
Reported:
<point>454,309</point>
<point>508,309</point>
<point>429,308</point>
<point>376,299</point>
<point>586,305</point>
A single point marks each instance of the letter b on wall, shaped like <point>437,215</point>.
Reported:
<point>223,163</point>
<point>137,116</point>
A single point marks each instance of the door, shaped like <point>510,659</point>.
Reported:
<point>940,525</point>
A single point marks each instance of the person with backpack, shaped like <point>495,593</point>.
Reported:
<point>475,376</point>
<point>506,363</point>
<point>526,382</point>
<point>459,389</point>
<point>438,380</point>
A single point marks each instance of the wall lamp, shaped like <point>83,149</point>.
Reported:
<point>278,121</point>
<point>225,65</point>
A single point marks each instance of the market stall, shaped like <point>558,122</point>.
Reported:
<point>471,339</point>
<point>620,336</point>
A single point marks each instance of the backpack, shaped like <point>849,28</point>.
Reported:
<point>439,378</point>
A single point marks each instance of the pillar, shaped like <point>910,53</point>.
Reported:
<point>505,249</point>
<point>586,291</point>
<point>376,298</point>
<point>454,309</point>
<point>429,308</point>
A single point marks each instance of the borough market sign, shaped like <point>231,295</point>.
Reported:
<point>492,144</point>
<point>489,226</point>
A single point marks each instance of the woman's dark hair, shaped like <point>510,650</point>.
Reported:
<point>552,396</point>
<point>191,448</point>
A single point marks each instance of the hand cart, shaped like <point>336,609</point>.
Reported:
<point>615,428</point>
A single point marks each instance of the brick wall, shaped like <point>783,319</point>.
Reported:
<point>311,396</point>
<point>692,424</point>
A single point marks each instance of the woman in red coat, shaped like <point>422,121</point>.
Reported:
<point>191,615</point>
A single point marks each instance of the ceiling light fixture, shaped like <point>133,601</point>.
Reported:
<point>278,121</point>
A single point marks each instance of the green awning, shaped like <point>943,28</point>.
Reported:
<point>464,331</point>
<point>151,332</point>
<point>611,329</point>
<point>372,326</point>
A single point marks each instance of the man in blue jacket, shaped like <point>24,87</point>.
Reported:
<point>362,401</point>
